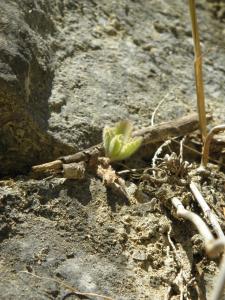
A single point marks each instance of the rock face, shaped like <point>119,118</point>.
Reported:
<point>25,86</point>
<point>67,68</point>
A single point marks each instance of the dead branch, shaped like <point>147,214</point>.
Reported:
<point>167,130</point>
<point>207,211</point>
<point>151,135</point>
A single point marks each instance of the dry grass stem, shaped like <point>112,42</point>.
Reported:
<point>205,151</point>
<point>207,211</point>
<point>198,71</point>
<point>157,107</point>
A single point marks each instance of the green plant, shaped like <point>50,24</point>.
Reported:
<point>118,141</point>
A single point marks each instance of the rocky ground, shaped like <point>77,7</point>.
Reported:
<point>68,68</point>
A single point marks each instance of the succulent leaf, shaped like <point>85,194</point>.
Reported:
<point>108,134</point>
<point>117,141</point>
<point>124,128</point>
<point>129,148</point>
<point>115,146</point>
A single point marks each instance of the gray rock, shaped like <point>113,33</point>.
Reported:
<point>26,80</point>
<point>68,68</point>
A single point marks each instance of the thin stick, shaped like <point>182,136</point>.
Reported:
<point>198,71</point>
<point>220,282</point>
<point>205,151</point>
<point>207,211</point>
<point>167,130</point>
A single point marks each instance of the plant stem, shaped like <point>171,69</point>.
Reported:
<point>198,71</point>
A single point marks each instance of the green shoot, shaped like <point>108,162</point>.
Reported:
<point>118,142</point>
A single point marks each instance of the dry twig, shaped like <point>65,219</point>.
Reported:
<point>207,211</point>
<point>151,135</point>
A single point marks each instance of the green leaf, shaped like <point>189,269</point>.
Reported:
<point>115,146</point>
<point>128,149</point>
<point>117,141</point>
<point>124,128</point>
<point>108,134</point>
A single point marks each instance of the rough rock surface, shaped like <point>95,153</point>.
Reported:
<point>67,68</point>
<point>26,81</point>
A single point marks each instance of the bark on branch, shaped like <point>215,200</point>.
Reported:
<point>151,135</point>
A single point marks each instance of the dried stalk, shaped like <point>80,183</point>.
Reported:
<point>157,107</point>
<point>213,246</point>
<point>198,71</point>
<point>207,211</point>
<point>205,150</point>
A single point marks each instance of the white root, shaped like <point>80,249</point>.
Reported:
<point>213,246</point>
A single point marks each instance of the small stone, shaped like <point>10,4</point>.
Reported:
<point>70,255</point>
<point>147,47</point>
<point>110,30</point>
<point>139,255</point>
<point>96,45</point>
